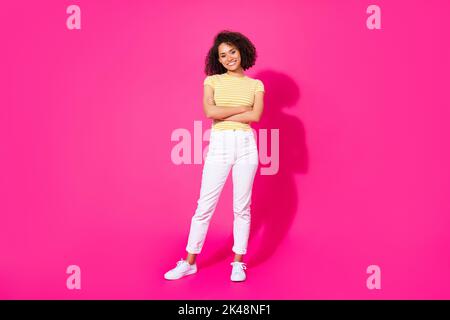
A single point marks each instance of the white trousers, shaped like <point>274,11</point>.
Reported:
<point>228,149</point>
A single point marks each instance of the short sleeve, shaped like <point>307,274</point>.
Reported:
<point>209,81</point>
<point>259,86</point>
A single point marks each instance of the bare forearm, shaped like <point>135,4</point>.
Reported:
<point>245,117</point>
<point>220,113</point>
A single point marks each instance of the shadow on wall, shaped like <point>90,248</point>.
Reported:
<point>275,197</point>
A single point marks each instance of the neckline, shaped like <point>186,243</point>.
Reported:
<point>226,74</point>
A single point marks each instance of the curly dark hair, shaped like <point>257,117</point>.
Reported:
<point>236,39</point>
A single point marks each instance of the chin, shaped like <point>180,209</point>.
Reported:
<point>234,68</point>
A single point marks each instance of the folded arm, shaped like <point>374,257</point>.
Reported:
<point>253,115</point>
<point>217,112</point>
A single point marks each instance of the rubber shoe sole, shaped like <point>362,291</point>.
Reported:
<point>192,271</point>
<point>238,280</point>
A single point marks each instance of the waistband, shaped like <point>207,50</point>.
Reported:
<point>232,131</point>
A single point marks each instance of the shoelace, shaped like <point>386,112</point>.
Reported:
<point>181,262</point>
<point>240,264</point>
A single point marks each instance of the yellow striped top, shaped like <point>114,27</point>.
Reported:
<point>233,91</point>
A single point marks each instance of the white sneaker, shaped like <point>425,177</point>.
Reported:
<point>238,273</point>
<point>182,269</point>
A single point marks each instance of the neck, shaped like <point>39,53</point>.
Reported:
<point>238,73</point>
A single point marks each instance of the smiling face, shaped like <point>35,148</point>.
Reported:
<point>229,57</point>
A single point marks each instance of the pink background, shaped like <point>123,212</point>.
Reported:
<point>86,175</point>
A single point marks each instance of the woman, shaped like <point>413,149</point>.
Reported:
<point>233,101</point>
